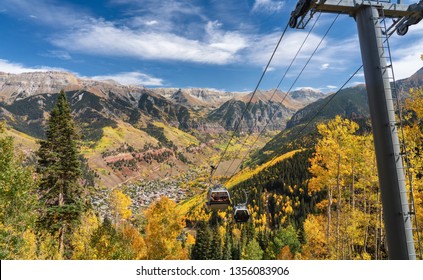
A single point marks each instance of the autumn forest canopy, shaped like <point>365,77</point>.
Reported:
<point>318,199</point>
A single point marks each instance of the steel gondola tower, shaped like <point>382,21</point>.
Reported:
<point>396,208</point>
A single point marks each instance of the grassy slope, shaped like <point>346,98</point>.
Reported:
<point>113,138</point>
<point>247,173</point>
<point>22,140</point>
<point>177,136</point>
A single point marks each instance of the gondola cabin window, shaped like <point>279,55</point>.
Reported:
<point>218,198</point>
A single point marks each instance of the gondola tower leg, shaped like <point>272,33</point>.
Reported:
<point>389,162</point>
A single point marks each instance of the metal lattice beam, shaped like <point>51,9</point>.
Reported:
<point>350,7</point>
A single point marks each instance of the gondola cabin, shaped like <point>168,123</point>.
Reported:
<point>241,214</point>
<point>218,198</point>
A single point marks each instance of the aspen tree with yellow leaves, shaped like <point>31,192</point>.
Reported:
<point>164,225</point>
<point>328,167</point>
<point>82,236</point>
<point>17,203</point>
<point>120,207</point>
<point>414,141</point>
<point>343,166</point>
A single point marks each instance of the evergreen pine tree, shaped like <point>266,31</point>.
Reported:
<point>216,245</point>
<point>236,251</point>
<point>202,246</point>
<point>227,247</point>
<point>61,192</point>
<point>252,251</point>
<point>286,237</point>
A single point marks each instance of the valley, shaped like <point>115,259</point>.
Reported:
<point>131,132</point>
<point>140,145</point>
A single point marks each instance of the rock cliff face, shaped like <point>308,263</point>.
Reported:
<point>268,109</point>
<point>198,97</point>
<point>18,86</point>
<point>255,117</point>
<point>306,96</point>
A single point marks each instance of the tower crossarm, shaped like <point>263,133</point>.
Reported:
<point>350,7</point>
<point>407,14</point>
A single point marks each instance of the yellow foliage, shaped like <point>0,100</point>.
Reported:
<point>415,102</point>
<point>288,209</point>
<point>82,236</point>
<point>181,138</point>
<point>136,241</point>
<point>29,250</point>
<point>222,215</point>
<point>364,256</point>
<point>222,231</point>
<point>190,240</point>
<point>163,227</point>
<point>124,133</point>
<point>315,247</point>
<point>414,141</point>
<point>48,247</point>
<point>247,173</point>
<point>236,233</point>
<point>120,203</point>
<point>284,254</point>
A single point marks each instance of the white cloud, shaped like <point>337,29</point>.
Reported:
<point>307,88</point>
<point>63,55</point>
<point>331,87</point>
<point>262,48</point>
<point>224,40</point>
<point>269,69</point>
<point>324,66</point>
<point>17,68</point>
<point>131,78</point>
<point>142,37</point>
<point>46,12</point>
<point>105,38</point>
<point>406,51</point>
<point>408,64</point>
<point>268,6</point>
<point>151,22</point>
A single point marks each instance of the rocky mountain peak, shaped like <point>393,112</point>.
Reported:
<point>18,86</point>
<point>306,94</point>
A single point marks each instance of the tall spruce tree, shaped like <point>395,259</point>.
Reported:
<point>203,242</point>
<point>59,166</point>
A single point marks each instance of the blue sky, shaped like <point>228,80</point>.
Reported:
<point>186,43</point>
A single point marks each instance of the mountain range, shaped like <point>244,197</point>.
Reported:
<point>123,126</point>
<point>131,131</point>
<point>26,98</point>
<point>349,103</point>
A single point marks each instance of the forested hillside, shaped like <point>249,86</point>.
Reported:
<point>209,130</point>
<point>320,201</point>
